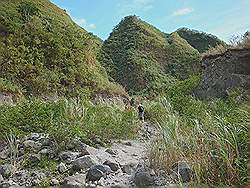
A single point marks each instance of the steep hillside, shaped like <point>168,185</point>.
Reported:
<point>138,56</point>
<point>200,40</point>
<point>43,52</point>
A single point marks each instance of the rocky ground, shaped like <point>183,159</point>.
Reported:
<point>32,162</point>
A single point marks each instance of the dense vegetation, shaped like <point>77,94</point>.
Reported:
<point>200,40</point>
<point>43,52</point>
<point>68,118</point>
<point>210,135</point>
<point>139,56</point>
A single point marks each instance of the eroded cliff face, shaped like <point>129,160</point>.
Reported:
<point>224,72</point>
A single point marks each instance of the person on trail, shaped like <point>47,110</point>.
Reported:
<point>141,112</point>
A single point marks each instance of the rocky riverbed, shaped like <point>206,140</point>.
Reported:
<point>33,162</point>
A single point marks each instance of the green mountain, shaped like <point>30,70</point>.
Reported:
<point>139,56</point>
<point>42,52</point>
<point>200,40</point>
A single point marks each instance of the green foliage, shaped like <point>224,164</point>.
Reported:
<point>210,135</point>
<point>8,87</point>
<point>27,10</point>
<point>200,40</point>
<point>139,56</point>
<point>44,52</point>
<point>67,119</point>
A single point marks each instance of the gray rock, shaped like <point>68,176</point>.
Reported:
<point>1,178</point>
<point>47,153</point>
<point>84,163</point>
<point>6,170</point>
<point>9,184</point>
<point>34,136</point>
<point>111,151</point>
<point>77,145</point>
<point>32,145</point>
<point>96,172</point>
<point>119,186</point>
<point>62,168</point>
<point>54,182</point>
<point>34,158</point>
<point>76,181</point>
<point>69,156</point>
<point>127,143</point>
<point>182,172</point>
<point>4,154</point>
<point>142,177</point>
<point>128,168</point>
<point>114,166</point>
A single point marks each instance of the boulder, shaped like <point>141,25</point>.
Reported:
<point>142,177</point>
<point>182,172</point>
<point>1,178</point>
<point>76,181</point>
<point>84,163</point>
<point>96,172</point>
<point>114,166</point>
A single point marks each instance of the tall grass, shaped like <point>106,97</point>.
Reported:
<point>215,146</point>
<point>69,118</point>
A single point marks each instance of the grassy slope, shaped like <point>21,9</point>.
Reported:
<point>200,40</point>
<point>138,55</point>
<point>43,51</point>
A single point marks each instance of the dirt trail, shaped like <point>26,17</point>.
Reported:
<point>128,154</point>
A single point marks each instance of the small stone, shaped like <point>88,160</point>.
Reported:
<point>34,136</point>
<point>32,145</point>
<point>34,158</point>
<point>1,178</point>
<point>84,163</point>
<point>62,168</point>
<point>76,181</point>
<point>9,184</point>
<point>69,156</point>
<point>6,170</point>
<point>128,168</point>
<point>128,143</point>
<point>54,182</point>
<point>112,165</point>
<point>4,154</point>
<point>111,151</point>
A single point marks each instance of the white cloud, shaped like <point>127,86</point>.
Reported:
<point>92,26</point>
<point>83,23</point>
<point>183,11</point>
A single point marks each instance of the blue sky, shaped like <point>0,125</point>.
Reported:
<point>220,17</point>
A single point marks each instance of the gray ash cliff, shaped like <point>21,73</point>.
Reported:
<point>223,72</point>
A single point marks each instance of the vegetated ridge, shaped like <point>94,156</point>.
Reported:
<point>141,57</point>
<point>200,40</point>
<point>43,52</point>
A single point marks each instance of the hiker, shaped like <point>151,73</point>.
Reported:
<point>141,112</point>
